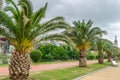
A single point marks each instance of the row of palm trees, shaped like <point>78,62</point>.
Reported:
<point>84,35</point>
<point>106,46</point>
<point>24,29</point>
<point>87,38</point>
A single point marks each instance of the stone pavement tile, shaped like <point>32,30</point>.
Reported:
<point>110,73</point>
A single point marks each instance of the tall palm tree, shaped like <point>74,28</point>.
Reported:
<point>23,29</point>
<point>83,35</point>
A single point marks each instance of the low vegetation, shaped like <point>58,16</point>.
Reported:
<point>52,52</point>
<point>69,73</point>
<point>36,56</point>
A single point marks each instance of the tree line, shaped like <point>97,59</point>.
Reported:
<point>24,28</point>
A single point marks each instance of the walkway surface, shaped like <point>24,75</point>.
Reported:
<point>109,73</point>
<point>60,65</point>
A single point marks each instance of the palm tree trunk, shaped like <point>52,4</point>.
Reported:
<point>100,58</point>
<point>82,59</point>
<point>19,66</point>
<point>109,57</point>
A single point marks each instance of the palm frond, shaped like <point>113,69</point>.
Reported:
<point>14,5</point>
<point>54,24</point>
<point>38,15</point>
<point>27,7</point>
<point>24,26</point>
<point>6,21</point>
<point>13,11</point>
<point>58,37</point>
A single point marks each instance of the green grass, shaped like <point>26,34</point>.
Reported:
<point>67,73</point>
<point>52,62</point>
<point>3,65</point>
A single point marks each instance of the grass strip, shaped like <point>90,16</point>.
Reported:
<point>67,73</point>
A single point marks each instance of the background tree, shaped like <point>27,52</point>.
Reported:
<point>83,35</point>
<point>22,29</point>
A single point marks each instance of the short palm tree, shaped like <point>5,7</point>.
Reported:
<point>115,52</point>
<point>83,35</point>
<point>23,29</point>
<point>100,44</point>
<point>108,49</point>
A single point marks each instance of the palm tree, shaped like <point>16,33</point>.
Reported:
<point>100,44</point>
<point>108,49</point>
<point>23,29</point>
<point>83,35</point>
<point>115,52</point>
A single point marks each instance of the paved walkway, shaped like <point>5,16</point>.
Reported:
<point>4,70</point>
<point>109,73</point>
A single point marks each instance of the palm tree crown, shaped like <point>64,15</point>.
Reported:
<point>82,34</point>
<point>23,27</point>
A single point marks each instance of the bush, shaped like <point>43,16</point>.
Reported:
<point>52,52</point>
<point>36,55</point>
<point>92,55</point>
<point>46,51</point>
<point>60,53</point>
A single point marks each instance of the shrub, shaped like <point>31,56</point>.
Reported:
<point>92,55</point>
<point>52,52</point>
<point>36,55</point>
<point>74,54</point>
<point>59,53</point>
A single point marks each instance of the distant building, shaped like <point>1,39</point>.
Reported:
<point>116,42</point>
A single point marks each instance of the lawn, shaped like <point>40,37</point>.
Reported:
<point>67,73</point>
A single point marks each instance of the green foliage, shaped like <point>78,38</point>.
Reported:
<point>36,55</point>
<point>83,34</point>
<point>46,49</point>
<point>69,73</point>
<point>53,52</point>
<point>60,53</point>
<point>73,53</point>
<point>24,25</point>
<point>4,58</point>
<point>92,55</point>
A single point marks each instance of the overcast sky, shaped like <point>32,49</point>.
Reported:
<point>103,13</point>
